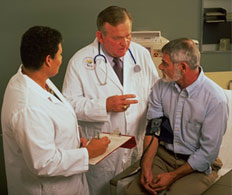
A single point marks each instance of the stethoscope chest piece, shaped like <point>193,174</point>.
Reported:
<point>137,68</point>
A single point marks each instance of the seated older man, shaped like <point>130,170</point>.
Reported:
<point>187,119</point>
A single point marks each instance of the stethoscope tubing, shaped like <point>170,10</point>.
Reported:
<point>101,55</point>
<point>132,56</point>
<point>136,68</point>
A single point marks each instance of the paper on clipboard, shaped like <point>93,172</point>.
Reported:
<point>124,141</point>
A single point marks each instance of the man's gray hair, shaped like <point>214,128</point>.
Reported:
<point>183,50</point>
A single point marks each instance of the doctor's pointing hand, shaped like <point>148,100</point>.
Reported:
<point>120,103</point>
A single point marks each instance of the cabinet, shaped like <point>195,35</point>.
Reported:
<point>216,26</point>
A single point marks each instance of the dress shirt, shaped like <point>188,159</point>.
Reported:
<point>198,115</point>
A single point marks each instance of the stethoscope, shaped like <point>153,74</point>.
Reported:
<point>137,68</point>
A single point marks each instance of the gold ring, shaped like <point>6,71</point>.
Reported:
<point>124,107</point>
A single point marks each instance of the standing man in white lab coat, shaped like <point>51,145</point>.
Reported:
<point>108,83</point>
<point>43,150</point>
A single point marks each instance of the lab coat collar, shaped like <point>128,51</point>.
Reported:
<point>43,93</point>
<point>58,93</point>
<point>110,58</point>
<point>37,88</point>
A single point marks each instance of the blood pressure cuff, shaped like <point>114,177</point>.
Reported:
<point>160,128</point>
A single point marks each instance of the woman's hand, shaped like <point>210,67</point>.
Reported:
<point>97,147</point>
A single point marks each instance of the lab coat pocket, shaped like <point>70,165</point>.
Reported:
<point>62,185</point>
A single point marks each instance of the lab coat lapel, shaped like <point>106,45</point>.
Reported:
<point>106,71</point>
<point>127,69</point>
<point>113,77</point>
<point>59,95</point>
<point>37,88</point>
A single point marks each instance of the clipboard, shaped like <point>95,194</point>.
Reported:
<point>124,141</point>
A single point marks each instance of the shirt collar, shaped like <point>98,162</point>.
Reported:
<point>191,89</point>
<point>110,58</point>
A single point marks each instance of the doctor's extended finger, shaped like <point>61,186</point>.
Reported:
<point>125,96</point>
<point>128,102</point>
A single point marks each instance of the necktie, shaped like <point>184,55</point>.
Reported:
<point>118,69</point>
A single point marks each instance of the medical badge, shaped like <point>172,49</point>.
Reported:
<point>88,62</point>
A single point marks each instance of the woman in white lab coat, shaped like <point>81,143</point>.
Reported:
<point>42,144</point>
<point>89,87</point>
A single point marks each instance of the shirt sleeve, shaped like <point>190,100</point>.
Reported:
<point>212,130</point>
<point>35,134</point>
<point>155,109</point>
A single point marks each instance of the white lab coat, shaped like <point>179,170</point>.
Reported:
<point>41,141</point>
<point>88,98</point>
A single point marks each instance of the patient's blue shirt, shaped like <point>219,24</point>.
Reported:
<point>198,116</point>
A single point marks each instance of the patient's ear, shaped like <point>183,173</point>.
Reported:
<point>184,67</point>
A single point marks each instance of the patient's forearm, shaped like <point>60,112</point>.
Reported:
<point>182,171</point>
<point>149,152</point>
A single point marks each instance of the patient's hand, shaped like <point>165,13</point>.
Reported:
<point>162,181</point>
<point>146,179</point>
